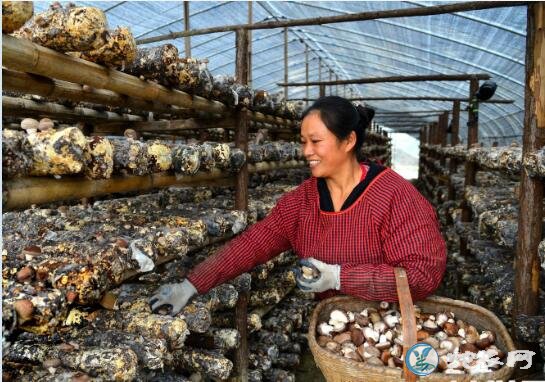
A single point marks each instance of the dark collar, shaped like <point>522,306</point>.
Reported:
<point>326,203</point>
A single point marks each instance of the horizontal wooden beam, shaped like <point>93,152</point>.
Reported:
<point>26,107</point>
<point>260,117</point>
<point>398,116</point>
<point>51,88</point>
<point>25,56</point>
<point>375,80</point>
<point>24,192</point>
<point>166,126</point>
<point>400,124</point>
<point>411,112</point>
<point>360,16</point>
<point>449,99</point>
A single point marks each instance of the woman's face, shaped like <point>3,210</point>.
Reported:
<point>321,148</point>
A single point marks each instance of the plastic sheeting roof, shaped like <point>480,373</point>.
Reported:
<point>486,41</point>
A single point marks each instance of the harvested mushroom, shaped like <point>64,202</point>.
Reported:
<point>371,335</point>
<point>486,339</point>
<point>357,336</point>
<point>338,320</point>
<point>310,273</point>
<point>430,326</point>
<point>471,334</point>
<point>333,346</point>
<point>342,338</point>
<point>325,329</point>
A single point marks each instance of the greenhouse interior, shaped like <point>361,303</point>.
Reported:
<point>273,191</point>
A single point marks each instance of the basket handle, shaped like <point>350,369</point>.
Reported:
<point>409,321</point>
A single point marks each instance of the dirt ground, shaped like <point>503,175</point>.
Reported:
<point>307,370</point>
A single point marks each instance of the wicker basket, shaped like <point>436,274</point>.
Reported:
<point>337,368</point>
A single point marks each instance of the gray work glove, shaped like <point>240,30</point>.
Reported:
<point>330,277</point>
<point>176,295</point>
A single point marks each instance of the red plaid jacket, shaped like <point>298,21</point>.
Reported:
<point>389,225</point>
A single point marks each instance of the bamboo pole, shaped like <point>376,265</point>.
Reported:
<point>443,126</point>
<point>187,39</point>
<point>306,72</point>
<point>25,56</point>
<point>455,123</point>
<point>527,267</point>
<point>322,91</point>
<point>25,107</point>
<point>52,88</point>
<point>454,140</point>
<point>286,62</point>
<point>420,154</point>
<point>23,192</point>
<point>241,133</point>
<point>250,22</point>
<point>446,99</point>
<point>260,117</point>
<point>470,167</point>
<point>374,80</point>
<point>158,126</point>
<point>361,16</point>
<point>241,202</point>
<point>47,87</point>
<point>400,117</point>
<point>409,112</point>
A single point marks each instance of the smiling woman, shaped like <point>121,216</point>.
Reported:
<point>353,221</point>
<point>332,132</point>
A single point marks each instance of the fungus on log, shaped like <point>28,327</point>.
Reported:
<point>69,29</point>
<point>15,14</point>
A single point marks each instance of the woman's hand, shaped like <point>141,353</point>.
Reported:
<point>176,295</point>
<point>330,277</point>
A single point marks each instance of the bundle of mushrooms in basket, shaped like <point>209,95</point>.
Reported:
<point>375,336</point>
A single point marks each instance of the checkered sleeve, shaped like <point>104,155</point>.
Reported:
<point>258,244</point>
<point>411,239</point>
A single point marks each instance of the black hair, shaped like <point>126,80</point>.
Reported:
<point>341,117</point>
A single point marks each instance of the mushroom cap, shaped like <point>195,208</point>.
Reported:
<point>338,315</point>
<point>29,124</point>
<point>324,329</point>
<point>45,124</point>
<point>343,337</point>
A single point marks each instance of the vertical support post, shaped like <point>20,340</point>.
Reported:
<point>421,140</point>
<point>330,79</point>
<point>286,63</point>
<point>442,127</point>
<point>321,87</point>
<point>472,129</point>
<point>470,167</point>
<point>435,133</point>
<point>187,39</point>
<point>336,85</point>
<point>322,90</point>
<point>527,266</point>
<point>306,74</point>
<point>455,137</point>
<point>250,21</point>
<point>241,201</point>
<point>454,140</point>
